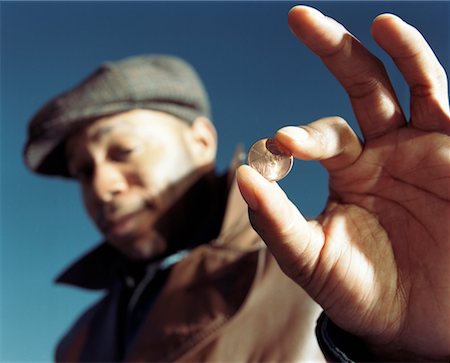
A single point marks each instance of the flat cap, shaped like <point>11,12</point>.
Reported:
<point>156,82</point>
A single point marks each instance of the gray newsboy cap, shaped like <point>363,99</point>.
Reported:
<point>156,82</point>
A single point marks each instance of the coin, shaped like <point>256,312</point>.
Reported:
<point>270,159</point>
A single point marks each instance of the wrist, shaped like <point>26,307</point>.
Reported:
<point>339,345</point>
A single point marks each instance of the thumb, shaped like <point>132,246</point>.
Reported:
<point>294,242</point>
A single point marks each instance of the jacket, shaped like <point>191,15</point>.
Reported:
<point>226,301</point>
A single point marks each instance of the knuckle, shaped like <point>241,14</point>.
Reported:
<point>343,48</point>
<point>368,80</point>
<point>344,130</point>
<point>339,122</point>
<point>364,88</point>
<point>297,272</point>
<point>321,137</point>
<point>421,90</point>
<point>337,131</point>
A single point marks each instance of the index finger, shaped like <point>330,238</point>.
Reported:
<point>361,74</point>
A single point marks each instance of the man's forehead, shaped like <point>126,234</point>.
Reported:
<point>95,131</point>
<point>101,128</point>
<point>130,120</point>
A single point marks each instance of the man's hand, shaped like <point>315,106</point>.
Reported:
<point>378,258</point>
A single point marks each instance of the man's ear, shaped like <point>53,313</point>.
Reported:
<point>204,137</point>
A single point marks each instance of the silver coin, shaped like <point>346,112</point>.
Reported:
<point>270,159</point>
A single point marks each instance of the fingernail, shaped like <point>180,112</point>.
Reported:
<point>297,134</point>
<point>308,9</point>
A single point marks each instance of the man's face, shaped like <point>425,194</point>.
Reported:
<point>132,167</point>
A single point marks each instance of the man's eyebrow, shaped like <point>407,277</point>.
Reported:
<point>105,130</point>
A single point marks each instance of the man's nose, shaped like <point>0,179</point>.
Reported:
<point>108,182</point>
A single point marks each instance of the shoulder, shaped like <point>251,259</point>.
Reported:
<point>71,344</point>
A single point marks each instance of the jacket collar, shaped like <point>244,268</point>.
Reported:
<point>204,291</point>
<point>96,270</point>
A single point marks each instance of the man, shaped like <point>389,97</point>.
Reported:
<point>187,278</point>
<point>203,288</point>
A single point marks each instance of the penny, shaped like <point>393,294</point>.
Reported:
<point>270,159</point>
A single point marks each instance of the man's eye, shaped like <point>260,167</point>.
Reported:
<point>122,153</point>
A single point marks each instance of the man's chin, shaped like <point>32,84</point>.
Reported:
<point>138,247</point>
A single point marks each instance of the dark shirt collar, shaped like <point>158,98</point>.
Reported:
<point>96,270</point>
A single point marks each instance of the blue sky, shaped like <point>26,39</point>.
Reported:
<point>259,79</point>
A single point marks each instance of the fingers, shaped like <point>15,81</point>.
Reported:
<point>361,74</point>
<point>422,71</point>
<point>295,242</point>
<point>330,140</point>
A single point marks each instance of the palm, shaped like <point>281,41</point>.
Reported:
<point>397,196</point>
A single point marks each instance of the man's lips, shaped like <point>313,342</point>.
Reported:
<point>118,225</point>
<point>119,218</point>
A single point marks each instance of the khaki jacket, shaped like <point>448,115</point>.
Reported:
<point>227,301</point>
